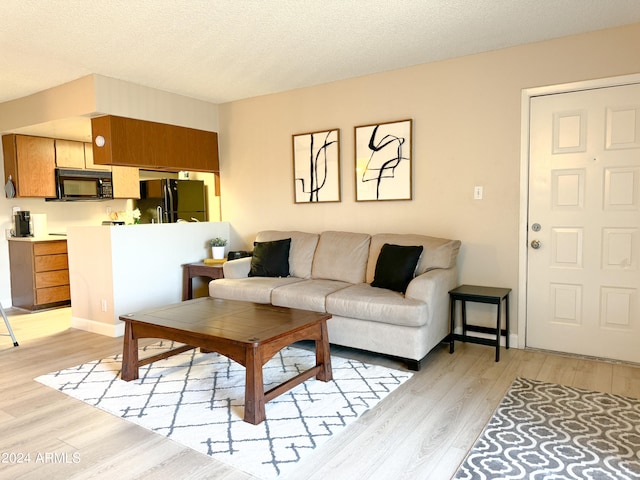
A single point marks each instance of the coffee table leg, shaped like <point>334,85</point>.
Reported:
<point>129,354</point>
<point>323,354</point>
<point>254,412</point>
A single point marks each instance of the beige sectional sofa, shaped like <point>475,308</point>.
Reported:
<point>333,271</point>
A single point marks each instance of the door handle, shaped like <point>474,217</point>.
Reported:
<point>536,244</point>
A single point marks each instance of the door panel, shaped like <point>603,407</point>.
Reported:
<point>584,192</point>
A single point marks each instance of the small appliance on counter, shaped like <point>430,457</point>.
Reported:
<point>22,221</point>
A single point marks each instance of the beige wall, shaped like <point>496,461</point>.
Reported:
<point>466,115</point>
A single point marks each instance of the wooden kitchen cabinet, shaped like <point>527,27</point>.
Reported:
<point>126,182</point>
<point>31,163</point>
<point>88,159</point>
<point>156,146</point>
<point>69,154</point>
<point>39,274</point>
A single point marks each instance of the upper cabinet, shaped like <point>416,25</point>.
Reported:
<point>79,155</point>
<point>126,182</point>
<point>88,159</point>
<point>31,163</point>
<point>76,155</point>
<point>69,154</point>
<point>156,146</point>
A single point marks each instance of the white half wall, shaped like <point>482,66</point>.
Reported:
<point>122,269</point>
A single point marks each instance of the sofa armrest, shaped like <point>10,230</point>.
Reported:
<point>238,268</point>
<point>434,282</point>
<point>433,288</point>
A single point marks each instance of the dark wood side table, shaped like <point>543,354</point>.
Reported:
<point>479,294</point>
<point>198,269</point>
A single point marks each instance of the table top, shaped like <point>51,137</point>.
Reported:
<point>208,263</point>
<point>244,322</point>
<point>470,291</point>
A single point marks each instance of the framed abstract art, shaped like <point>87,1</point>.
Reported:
<point>383,161</point>
<point>316,166</point>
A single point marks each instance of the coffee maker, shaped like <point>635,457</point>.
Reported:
<point>22,221</point>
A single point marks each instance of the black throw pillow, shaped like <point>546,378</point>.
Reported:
<point>270,259</point>
<point>395,266</point>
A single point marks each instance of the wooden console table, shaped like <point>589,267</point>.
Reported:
<point>198,269</point>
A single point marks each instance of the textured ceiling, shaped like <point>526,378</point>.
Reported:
<point>223,50</point>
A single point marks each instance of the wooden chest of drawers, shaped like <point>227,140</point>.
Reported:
<point>39,274</point>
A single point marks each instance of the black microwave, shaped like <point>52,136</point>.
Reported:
<point>83,185</point>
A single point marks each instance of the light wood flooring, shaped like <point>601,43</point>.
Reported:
<point>421,431</point>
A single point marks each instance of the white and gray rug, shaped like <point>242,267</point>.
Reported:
<point>197,400</point>
<point>547,431</point>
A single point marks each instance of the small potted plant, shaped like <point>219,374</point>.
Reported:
<point>217,247</point>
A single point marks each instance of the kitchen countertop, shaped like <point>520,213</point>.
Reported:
<point>43,238</point>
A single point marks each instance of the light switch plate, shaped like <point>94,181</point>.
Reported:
<point>477,192</point>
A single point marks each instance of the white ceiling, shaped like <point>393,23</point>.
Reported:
<point>224,50</point>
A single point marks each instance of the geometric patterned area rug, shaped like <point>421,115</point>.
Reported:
<point>547,431</point>
<point>197,400</point>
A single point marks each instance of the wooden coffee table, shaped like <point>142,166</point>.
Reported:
<point>248,333</point>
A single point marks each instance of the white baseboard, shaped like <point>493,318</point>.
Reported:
<point>98,327</point>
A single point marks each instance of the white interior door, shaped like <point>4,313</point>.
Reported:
<point>584,194</point>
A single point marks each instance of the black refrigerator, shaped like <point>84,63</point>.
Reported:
<point>169,200</point>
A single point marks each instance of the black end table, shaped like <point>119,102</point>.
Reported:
<point>479,294</point>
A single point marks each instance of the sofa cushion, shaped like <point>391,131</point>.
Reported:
<point>303,246</point>
<point>365,302</point>
<point>307,295</point>
<point>437,253</point>
<point>341,256</point>
<point>252,289</point>
<point>270,259</point>
<point>396,266</point>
